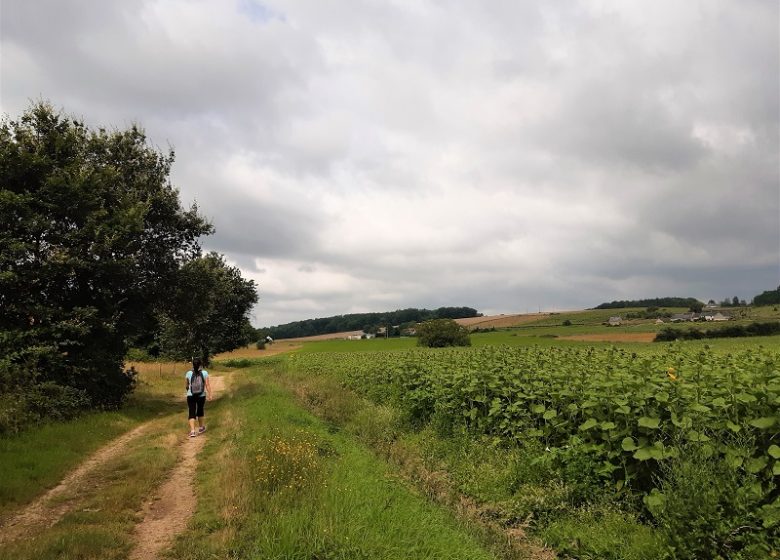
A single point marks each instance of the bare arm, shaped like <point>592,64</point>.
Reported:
<point>208,387</point>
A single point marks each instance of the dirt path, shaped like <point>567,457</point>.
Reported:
<point>167,513</point>
<point>48,509</point>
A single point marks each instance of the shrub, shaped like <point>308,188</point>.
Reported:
<point>439,333</point>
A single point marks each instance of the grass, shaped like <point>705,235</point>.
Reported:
<point>104,509</point>
<point>506,487</point>
<point>39,457</point>
<point>300,490</point>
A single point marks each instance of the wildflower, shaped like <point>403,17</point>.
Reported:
<point>671,372</point>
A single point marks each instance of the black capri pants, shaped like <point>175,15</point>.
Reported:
<point>195,405</point>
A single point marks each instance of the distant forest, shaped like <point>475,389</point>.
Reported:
<point>653,302</point>
<point>769,297</point>
<point>368,322</point>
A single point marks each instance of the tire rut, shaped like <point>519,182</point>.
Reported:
<point>167,513</point>
<point>49,508</point>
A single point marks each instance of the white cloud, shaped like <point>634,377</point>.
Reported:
<point>363,156</point>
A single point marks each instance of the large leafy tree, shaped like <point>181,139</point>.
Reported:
<point>206,312</point>
<point>769,297</point>
<point>92,236</point>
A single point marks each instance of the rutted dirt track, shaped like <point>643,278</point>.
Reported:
<point>45,511</point>
<point>167,513</point>
<point>164,516</point>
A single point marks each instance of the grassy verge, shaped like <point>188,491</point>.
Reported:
<point>103,509</point>
<point>39,457</point>
<point>278,483</point>
<point>505,491</point>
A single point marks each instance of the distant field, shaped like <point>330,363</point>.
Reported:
<point>585,327</point>
<point>500,321</point>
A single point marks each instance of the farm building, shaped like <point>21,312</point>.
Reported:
<point>716,317</point>
<point>682,317</point>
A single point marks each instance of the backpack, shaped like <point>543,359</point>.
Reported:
<point>196,383</point>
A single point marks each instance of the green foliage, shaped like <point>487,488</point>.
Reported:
<point>653,302</point>
<point>719,506</point>
<point>609,419</point>
<point>669,334</point>
<point>439,333</point>
<point>238,363</point>
<point>92,235</point>
<point>769,297</point>
<point>207,312</point>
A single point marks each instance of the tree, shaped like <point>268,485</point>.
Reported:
<point>438,333</point>
<point>696,307</point>
<point>92,235</point>
<point>769,297</point>
<point>207,312</point>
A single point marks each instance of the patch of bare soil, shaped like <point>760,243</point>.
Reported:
<point>612,337</point>
<point>500,321</point>
<point>49,508</point>
<point>167,513</point>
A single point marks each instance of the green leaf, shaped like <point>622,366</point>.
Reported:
<point>629,444</point>
<point>693,435</point>
<point>774,451</point>
<point>655,501</point>
<point>550,414</point>
<point>591,422</point>
<point>644,454</point>
<point>733,427</point>
<point>756,464</point>
<point>763,423</point>
<point>734,461</point>
<point>649,422</point>
<point>699,407</point>
<point>776,469</point>
<point>608,425</point>
<point>538,408</point>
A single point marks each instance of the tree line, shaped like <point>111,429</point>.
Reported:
<point>769,297</point>
<point>732,331</point>
<point>98,253</point>
<point>652,302</point>
<point>367,322</point>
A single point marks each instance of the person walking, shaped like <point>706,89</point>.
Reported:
<point>198,389</point>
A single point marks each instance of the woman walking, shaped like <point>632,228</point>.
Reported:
<point>198,388</point>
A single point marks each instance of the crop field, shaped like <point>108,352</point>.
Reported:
<point>626,423</point>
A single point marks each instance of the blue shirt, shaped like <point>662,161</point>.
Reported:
<point>188,376</point>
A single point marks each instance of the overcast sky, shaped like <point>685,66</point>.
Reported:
<point>505,155</point>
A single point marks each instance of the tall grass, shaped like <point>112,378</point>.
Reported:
<point>39,457</point>
<point>299,490</point>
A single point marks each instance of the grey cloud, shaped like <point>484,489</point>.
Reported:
<point>603,150</point>
<point>267,229</point>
